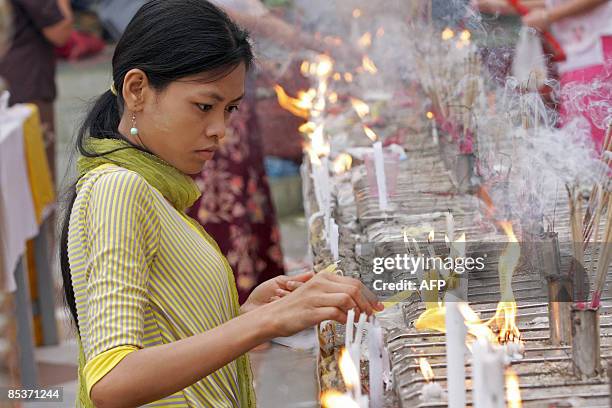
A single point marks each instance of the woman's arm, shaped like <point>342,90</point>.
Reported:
<point>504,7</point>
<point>542,19</point>
<point>59,33</point>
<point>277,30</point>
<point>152,373</point>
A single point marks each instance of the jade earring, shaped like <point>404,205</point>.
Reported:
<point>134,129</point>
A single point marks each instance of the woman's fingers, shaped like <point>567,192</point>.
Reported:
<point>291,283</point>
<point>330,313</point>
<point>341,301</point>
<point>281,292</point>
<point>369,298</point>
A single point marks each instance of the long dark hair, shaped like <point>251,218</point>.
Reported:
<point>168,40</point>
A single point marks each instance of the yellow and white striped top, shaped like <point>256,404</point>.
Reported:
<point>144,274</point>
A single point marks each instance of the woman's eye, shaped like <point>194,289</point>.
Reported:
<point>204,107</point>
<point>232,109</point>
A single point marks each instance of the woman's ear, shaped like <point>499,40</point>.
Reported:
<point>134,85</point>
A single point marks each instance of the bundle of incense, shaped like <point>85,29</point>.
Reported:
<point>603,203</point>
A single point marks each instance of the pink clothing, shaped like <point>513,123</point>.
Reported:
<point>580,36</point>
<point>587,92</point>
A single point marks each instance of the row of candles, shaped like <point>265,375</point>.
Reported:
<point>350,365</point>
<point>493,384</point>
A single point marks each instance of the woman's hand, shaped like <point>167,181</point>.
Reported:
<point>538,19</point>
<point>324,297</point>
<point>274,289</point>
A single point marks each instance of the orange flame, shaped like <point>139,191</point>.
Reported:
<point>307,127</point>
<point>360,107</point>
<point>513,390</point>
<point>305,68</point>
<point>426,369</point>
<point>342,163</point>
<point>350,373</point>
<point>369,65</point>
<point>447,34</point>
<point>299,106</point>
<point>348,77</point>
<point>370,133</point>
<point>366,40</point>
<point>429,115</point>
<point>335,399</point>
<point>505,315</point>
<point>356,13</point>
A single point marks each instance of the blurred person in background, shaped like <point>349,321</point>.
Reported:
<point>28,67</point>
<point>584,30</point>
<point>502,32</point>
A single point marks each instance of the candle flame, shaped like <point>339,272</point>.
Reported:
<point>426,369</point>
<point>369,65</point>
<point>370,133</point>
<point>365,41</point>
<point>447,34</point>
<point>513,390</point>
<point>318,144</point>
<point>348,77</point>
<point>307,127</point>
<point>505,315</point>
<point>299,106</point>
<point>343,163</point>
<point>431,236</point>
<point>333,97</point>
<point>465,36</point>
<point>356,13</point>
<point>360,107</point>
<point>429,115</point>
<point>305,68</point>
<point>324,65</point>
<point>335,399</point>
<point>350,373</point>
<point>337,76</point>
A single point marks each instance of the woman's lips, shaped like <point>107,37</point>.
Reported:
<point>206,154</point>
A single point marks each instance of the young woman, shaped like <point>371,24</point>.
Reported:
<point>154,301</point>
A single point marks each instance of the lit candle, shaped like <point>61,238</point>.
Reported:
<point>375,354</point>
<point>379,165</point>
<point>455,352</point>
<point>488,375</point>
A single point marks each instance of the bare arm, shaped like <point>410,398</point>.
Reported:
<point>276,29</point>
<point>58,33</point>
<point>541,19</point>
<point>149,374</point>
<point>152,373</point>
<point>573,8</point>
<point>504,7</point>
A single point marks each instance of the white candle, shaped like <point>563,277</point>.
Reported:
<point>434,132</point>
<point>348,334</point>
<point>334,238</point>
<point>379,165</point>
<point>488,375</point>
<point>455,353</point>
<point>375,354</point>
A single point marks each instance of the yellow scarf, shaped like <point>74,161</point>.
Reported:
<point>182,192</point>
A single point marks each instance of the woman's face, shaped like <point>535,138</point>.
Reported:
<point>184,123</point>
